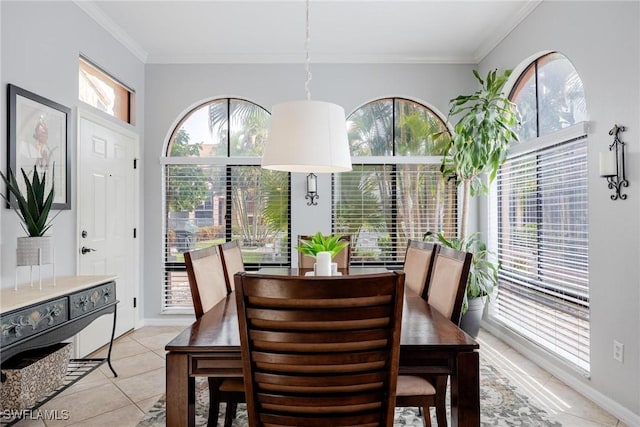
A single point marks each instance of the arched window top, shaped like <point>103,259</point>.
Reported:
<point>549,95</point>
<point>394,127</point>
<point>224,127</point>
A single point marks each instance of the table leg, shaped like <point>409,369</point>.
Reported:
<point>113,334</point>
<point>465,391</point>
<point>180,391</point>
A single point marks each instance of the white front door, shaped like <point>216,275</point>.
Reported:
<point>107,217</point>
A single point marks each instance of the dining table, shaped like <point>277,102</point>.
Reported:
<point>429,344</point>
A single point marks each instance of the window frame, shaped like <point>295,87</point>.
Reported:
<point>536,147</point>
<point>89,67</point>
<point>394,160</point>
<point>533,70</point>
<point>228,162</point>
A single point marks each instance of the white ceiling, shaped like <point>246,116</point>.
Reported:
<point>345,31</point>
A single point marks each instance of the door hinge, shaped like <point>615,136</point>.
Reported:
<point>135,302</point>
<point>135,233</point>
<point>135,163</point>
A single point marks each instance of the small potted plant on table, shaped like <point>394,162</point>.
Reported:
<point>323,249</point>
<point>33,208</point>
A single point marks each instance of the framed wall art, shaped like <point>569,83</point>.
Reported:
<point>38,135</point>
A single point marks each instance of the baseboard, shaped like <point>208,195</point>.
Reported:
<point>557,370</point>
<point>169,321</point>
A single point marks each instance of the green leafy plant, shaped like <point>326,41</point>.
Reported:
<point>32,208</point>
<point>483,274</point>
<point>477,146</point>
<point>320,243</point>
<point>480,139</point>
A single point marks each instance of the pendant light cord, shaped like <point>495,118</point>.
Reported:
<point>307,59</point>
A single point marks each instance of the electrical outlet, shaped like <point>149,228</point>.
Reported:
<point>618,351</point>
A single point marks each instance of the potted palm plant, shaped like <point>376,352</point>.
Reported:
<point>33,208</point>
<point>477,148</point>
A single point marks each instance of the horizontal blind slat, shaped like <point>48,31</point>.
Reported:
<point>382,206</point>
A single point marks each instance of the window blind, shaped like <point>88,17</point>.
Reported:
<point>210,204</point>
<point>542,242</point>
<point>382,206</point>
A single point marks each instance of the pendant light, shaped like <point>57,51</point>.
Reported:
<point>307,136</point>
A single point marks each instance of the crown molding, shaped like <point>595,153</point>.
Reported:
<point>499,36</point>
<point>94,12</point>
<point>262,58</point>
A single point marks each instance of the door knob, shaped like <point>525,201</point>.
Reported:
<point>85,250</point>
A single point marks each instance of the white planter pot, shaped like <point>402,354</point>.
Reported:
<point>470,321</point>
<point>334,269</point>
<point>323,264</point>
<point>34,250</point>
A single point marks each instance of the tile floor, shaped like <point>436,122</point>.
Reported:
<point>102,400</point>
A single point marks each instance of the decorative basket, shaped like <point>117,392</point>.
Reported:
<point>30,247</point>
<point>29,376</point>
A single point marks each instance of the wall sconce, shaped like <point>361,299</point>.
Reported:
<point>612,164</point>
<point>312,190</point>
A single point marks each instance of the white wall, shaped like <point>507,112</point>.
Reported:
<point>40,46</point>
<point>602,39</point>
<point>172,90</point>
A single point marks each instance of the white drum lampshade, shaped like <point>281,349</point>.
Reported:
<point>307,136</point>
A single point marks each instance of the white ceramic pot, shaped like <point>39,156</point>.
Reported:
<point>323,264</point>
<point>334,269</point>
<point>34,250</point>
<point>470,321</point>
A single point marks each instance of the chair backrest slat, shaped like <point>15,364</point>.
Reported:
<point>206,278</point>
<point>320,351</point>
<point>449,282</point>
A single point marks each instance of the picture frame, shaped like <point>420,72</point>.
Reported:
<point>38,135</point>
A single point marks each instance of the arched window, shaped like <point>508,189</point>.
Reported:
<point>395,191</point>
<point>549,95</point>
<point>216,191</point>
<point>542,225</point>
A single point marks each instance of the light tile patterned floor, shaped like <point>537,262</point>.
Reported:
<point>102,400</point>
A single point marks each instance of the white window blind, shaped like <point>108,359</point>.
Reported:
<point>543,249</point>
<point>211,204</point>
<point>382,206</point>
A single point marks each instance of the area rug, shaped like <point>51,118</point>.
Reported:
<point>500,405</point>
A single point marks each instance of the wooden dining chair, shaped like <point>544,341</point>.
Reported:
<point>445,294</point>
<point>343,258</point>
<point>231,261</point>
<point>418,265</point>
<point>208,286</point>
<point>320,351</point>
